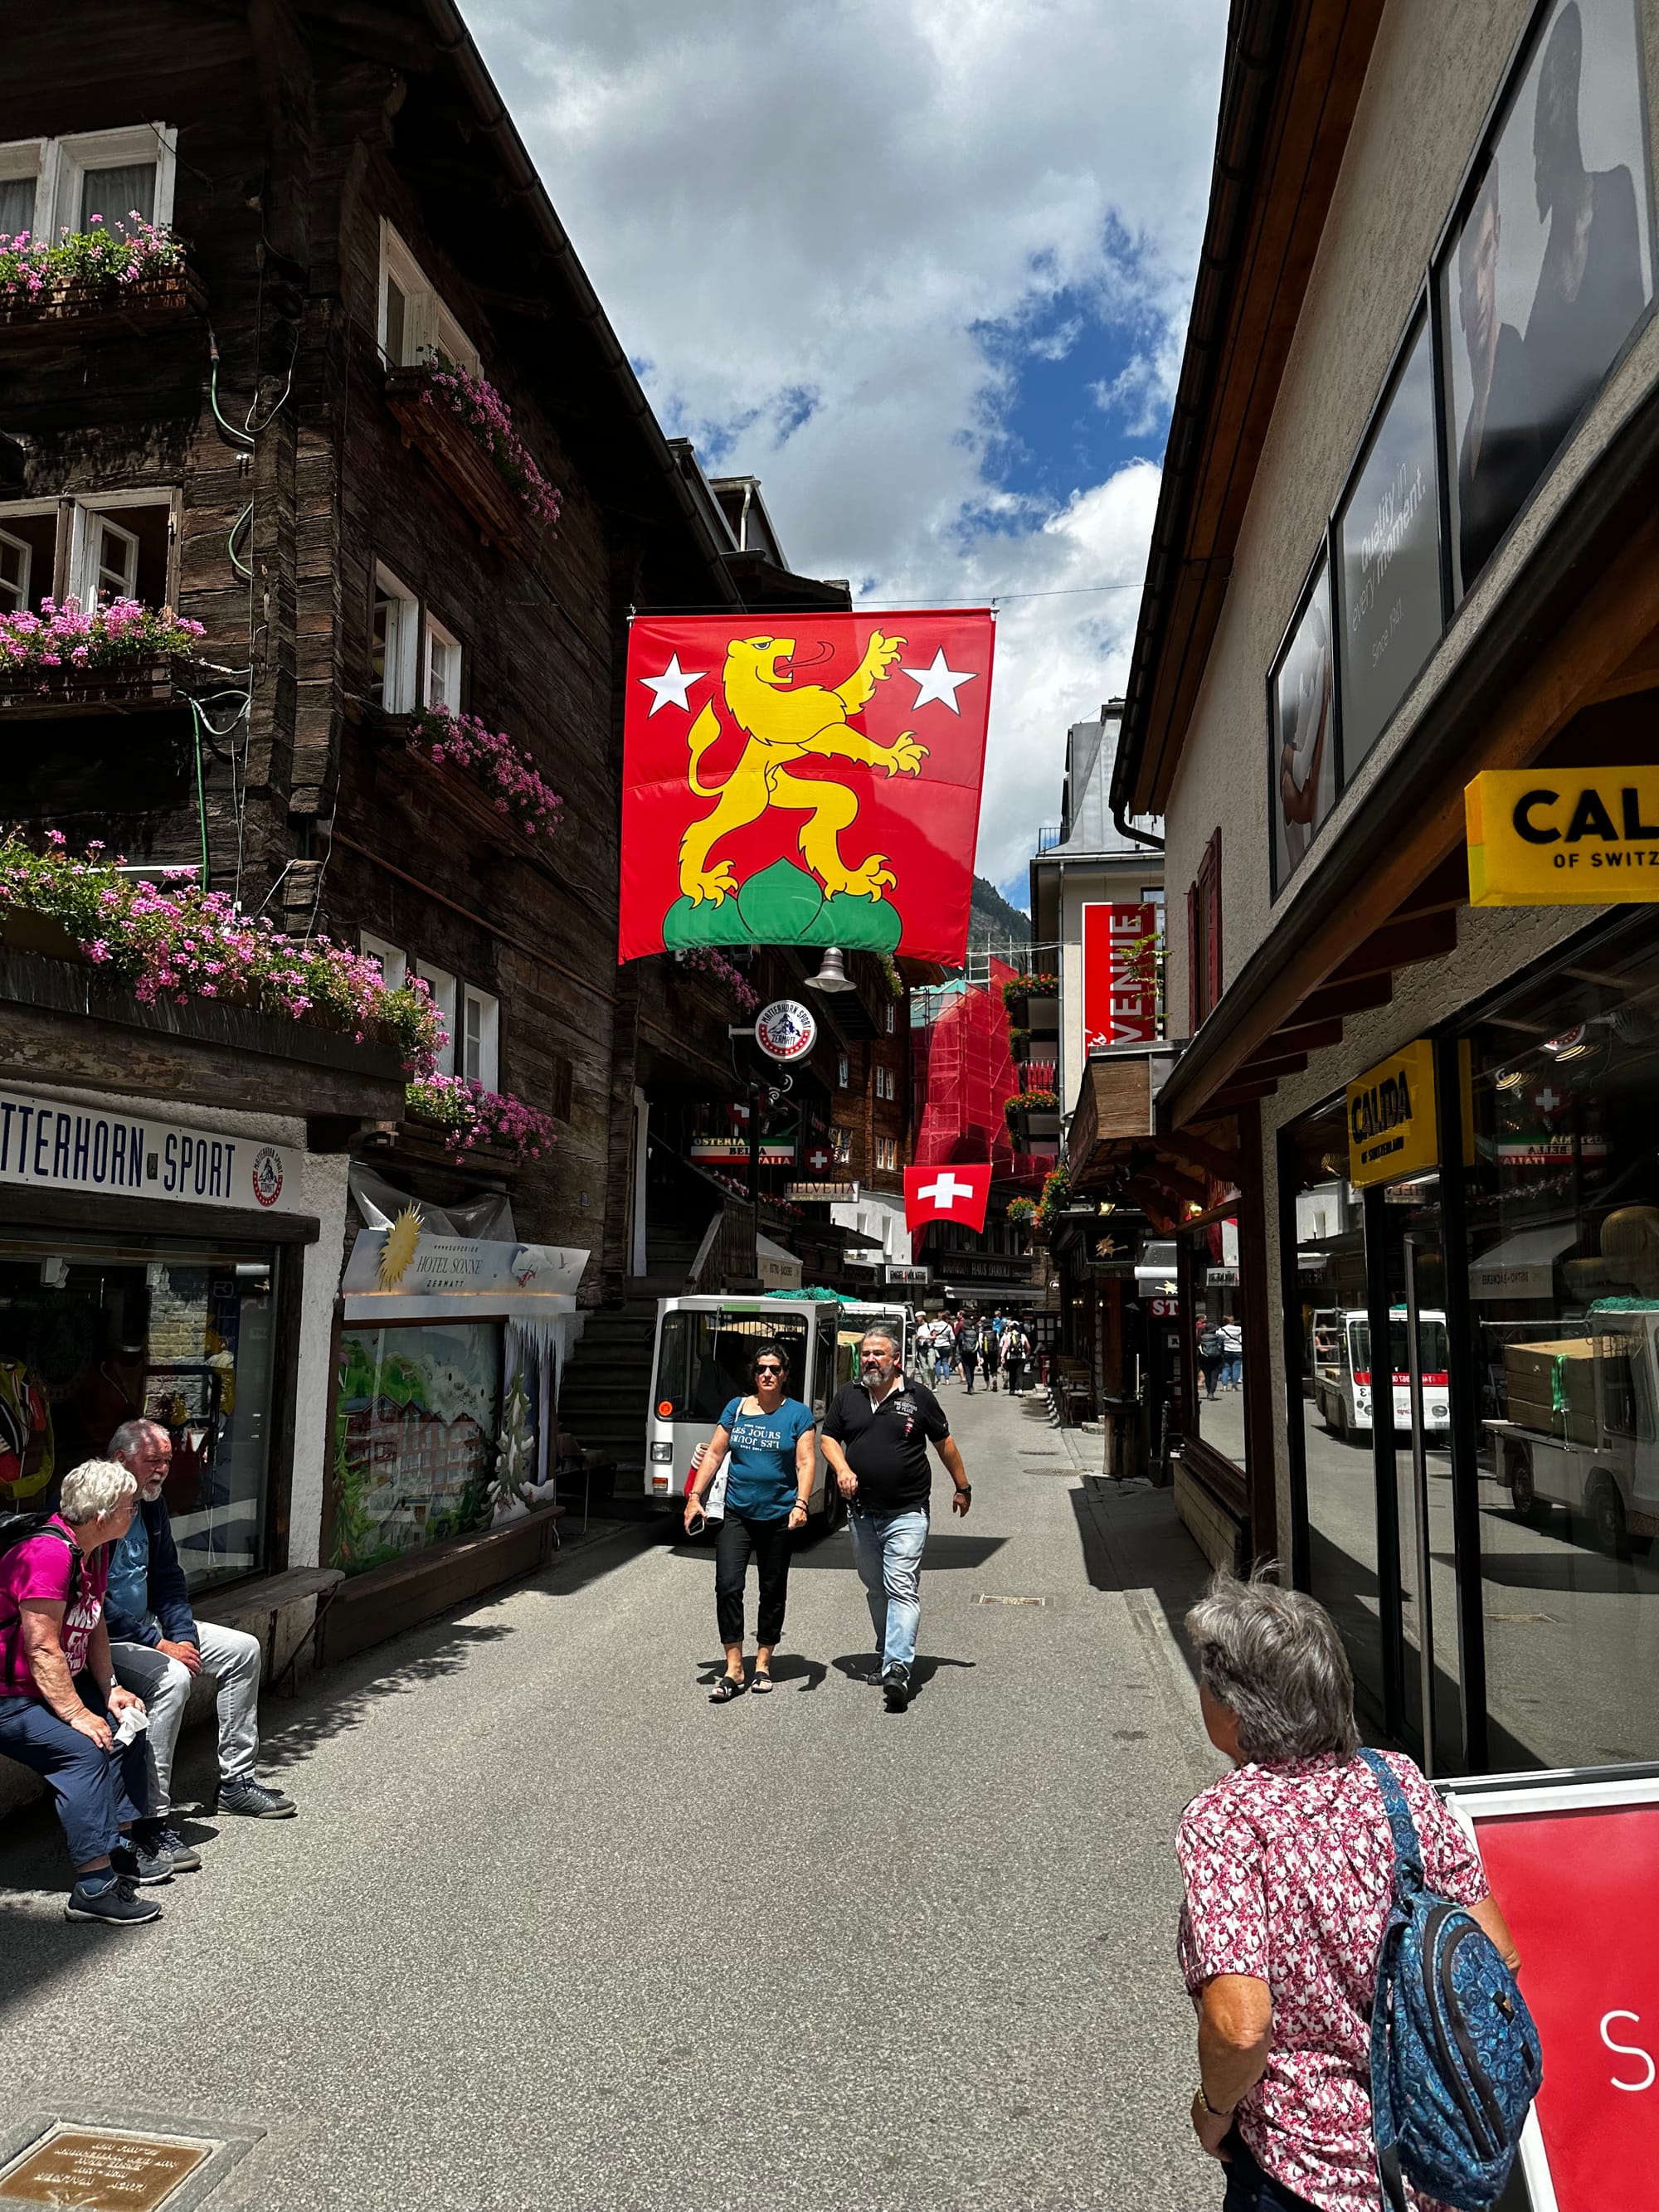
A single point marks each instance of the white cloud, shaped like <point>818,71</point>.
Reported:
<point>797,215</point>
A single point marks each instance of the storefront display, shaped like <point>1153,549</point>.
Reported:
<point>98,1330</point>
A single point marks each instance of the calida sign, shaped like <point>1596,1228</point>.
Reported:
<point>1392,1130</point>
<point>1578,836</point>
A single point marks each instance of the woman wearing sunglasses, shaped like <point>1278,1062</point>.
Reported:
<point>771,1439</point>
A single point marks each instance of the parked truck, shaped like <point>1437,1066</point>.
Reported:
<point>1579,1433</point>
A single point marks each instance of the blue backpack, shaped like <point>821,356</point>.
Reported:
<point>1455,2062</point>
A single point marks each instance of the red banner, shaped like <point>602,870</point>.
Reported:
<point>818,784</point>
<point>947,1194</point>
<point>1119,975</point>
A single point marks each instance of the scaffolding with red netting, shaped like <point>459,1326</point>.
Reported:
<point>964,1071</point>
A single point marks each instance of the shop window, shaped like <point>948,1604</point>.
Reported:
<point>1561,1205</point>
<point>394,636</point>
<point>1204,935</point>
<point>394,963</point>
<point>1217,1314</point>
<point>480,1032</point>
<point>443,668</point>
<point>420,1418</point>
<point>183,1332</point>
<point>415,325</point>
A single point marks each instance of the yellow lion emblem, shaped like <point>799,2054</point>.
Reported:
<point>783,720</point>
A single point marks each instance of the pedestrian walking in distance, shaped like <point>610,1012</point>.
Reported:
<point>1288,1867</point>
<point>876,1436</point>
<point>772,1443</point>
<point>967,1350</point>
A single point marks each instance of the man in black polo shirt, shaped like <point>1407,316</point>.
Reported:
<point>876,1436</point>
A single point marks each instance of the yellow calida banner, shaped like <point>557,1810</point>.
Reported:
<point>1563,836</point>
<point>1392,1128</point>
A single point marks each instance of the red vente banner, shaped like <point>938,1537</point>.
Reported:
<point>815,784</point>
<point>1119,975</point>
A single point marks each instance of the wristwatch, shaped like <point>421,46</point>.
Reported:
<point>965,1490</point>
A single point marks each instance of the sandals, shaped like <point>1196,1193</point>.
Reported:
<point>761,1682</point>
<point>728,1687</point>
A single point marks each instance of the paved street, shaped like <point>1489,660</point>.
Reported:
<point>552,1931</point>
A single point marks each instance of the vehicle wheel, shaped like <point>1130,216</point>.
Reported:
<point>1339,1427</point>
<point>1522,1490</point>
<point>1607,1517</point>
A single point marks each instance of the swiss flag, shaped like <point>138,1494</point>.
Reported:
<point>819,1160</point>
<point>952,1193</point>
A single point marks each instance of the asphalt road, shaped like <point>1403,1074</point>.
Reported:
<point>551,1931</point>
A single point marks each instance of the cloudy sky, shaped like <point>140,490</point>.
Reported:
<point>921,266</point>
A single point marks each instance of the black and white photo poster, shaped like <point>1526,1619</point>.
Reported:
<point>1389,545</point>
<point>1303,767</point>
<point>1550,269</point>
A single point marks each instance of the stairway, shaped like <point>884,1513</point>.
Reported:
<point>605,1397</point>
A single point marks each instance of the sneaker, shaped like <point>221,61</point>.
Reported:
<point>254,1799</point>
<point>185,1858</point>
<point>118,1903</point>
<point>895,1686</point>
<point>145,1863</point>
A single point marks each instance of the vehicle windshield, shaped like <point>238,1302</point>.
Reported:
<point>1432,1342</point>
<point>707,1357</point>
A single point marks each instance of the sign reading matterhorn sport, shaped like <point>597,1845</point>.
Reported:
<point>815,784</point>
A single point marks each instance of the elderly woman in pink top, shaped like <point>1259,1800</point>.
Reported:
<point>1288,1866</point>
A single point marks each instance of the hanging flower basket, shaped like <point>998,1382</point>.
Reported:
<point>504,773</point>
<point>127,277</point>
<point>464,428</point>
<point>470,1120</point>
<point>118,656</point>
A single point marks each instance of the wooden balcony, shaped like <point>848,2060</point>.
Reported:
<point>454,455</point>
<point>82,313</point>
<point>54,691</point>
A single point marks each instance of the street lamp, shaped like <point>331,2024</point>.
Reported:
<point>832,974</point>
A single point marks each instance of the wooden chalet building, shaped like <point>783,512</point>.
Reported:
<point>330,418</point>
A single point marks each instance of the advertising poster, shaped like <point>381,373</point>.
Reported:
<point>415,1440</point>
<point>814,785</point>
<point>1550,270</point>
<point>1119,974</point>
<point>1389,545</point>
<point>1302,770</point>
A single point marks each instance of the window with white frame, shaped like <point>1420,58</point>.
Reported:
<point>415,326</point>
<point>843,1072</point>
<point>121,548</point>
<point>443,667</point>
<point>22,164</point>
<point>394,644</point>
<point>479,1040</point>
<point>95,179</point>
<point>892,1015</point>
<point>394,960</point>
<point>441,985</point>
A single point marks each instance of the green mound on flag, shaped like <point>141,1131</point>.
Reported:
<point>784,905</point>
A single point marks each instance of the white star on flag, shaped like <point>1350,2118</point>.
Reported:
<point>672,686</point>
<point>939,681</point>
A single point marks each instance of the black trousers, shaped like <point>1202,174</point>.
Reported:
<point>769,1542</point>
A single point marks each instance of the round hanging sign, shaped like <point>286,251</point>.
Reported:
<point>786,1029</point>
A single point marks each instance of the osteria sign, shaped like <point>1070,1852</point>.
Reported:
<point>1555,836</point>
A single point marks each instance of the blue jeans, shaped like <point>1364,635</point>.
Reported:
<point>888,1549</point>
<point>96,1790</point>
<point>1250,2190</point>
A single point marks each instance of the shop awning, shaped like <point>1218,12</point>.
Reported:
<point>1521,1266</point>
<point>778,1270</point>
<point>1114,1147</point>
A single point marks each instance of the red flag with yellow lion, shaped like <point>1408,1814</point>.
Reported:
<point>814,783</point>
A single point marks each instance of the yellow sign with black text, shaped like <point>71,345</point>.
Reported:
<point>1392,1129</point>
<point>1563,836</point>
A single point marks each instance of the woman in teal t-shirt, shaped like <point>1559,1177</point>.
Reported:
<point>772,1442</point>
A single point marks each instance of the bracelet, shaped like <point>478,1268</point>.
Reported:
<point>1225,2115</point>
<point>965,1490</point>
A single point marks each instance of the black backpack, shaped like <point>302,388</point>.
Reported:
<point>17,1529</point>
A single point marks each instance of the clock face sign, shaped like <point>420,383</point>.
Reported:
<point>786,1029</point>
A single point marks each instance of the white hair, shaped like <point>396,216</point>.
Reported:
<point>1273,1656</point>
<point>97,1486</point>
<point>131,1435</point>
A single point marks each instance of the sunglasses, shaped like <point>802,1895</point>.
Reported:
<point>767,1369</point>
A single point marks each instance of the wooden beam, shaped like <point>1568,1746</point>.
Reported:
<point>1445,887</point>
<point>1306,1036</point>
<point>1338,999</point>
<point>1276,1065</point>
<point>1240,1094</point>
<point>1215,1159</point>
<point>1402,944</point>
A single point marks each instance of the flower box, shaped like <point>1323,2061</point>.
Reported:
<point>90,308</point>
<point>36,692</point>
<point>454,454</point>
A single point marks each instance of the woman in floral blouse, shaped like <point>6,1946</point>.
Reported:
<point>1288,1867</point>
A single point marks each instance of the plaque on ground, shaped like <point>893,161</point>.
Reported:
<point>103,2170</point>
